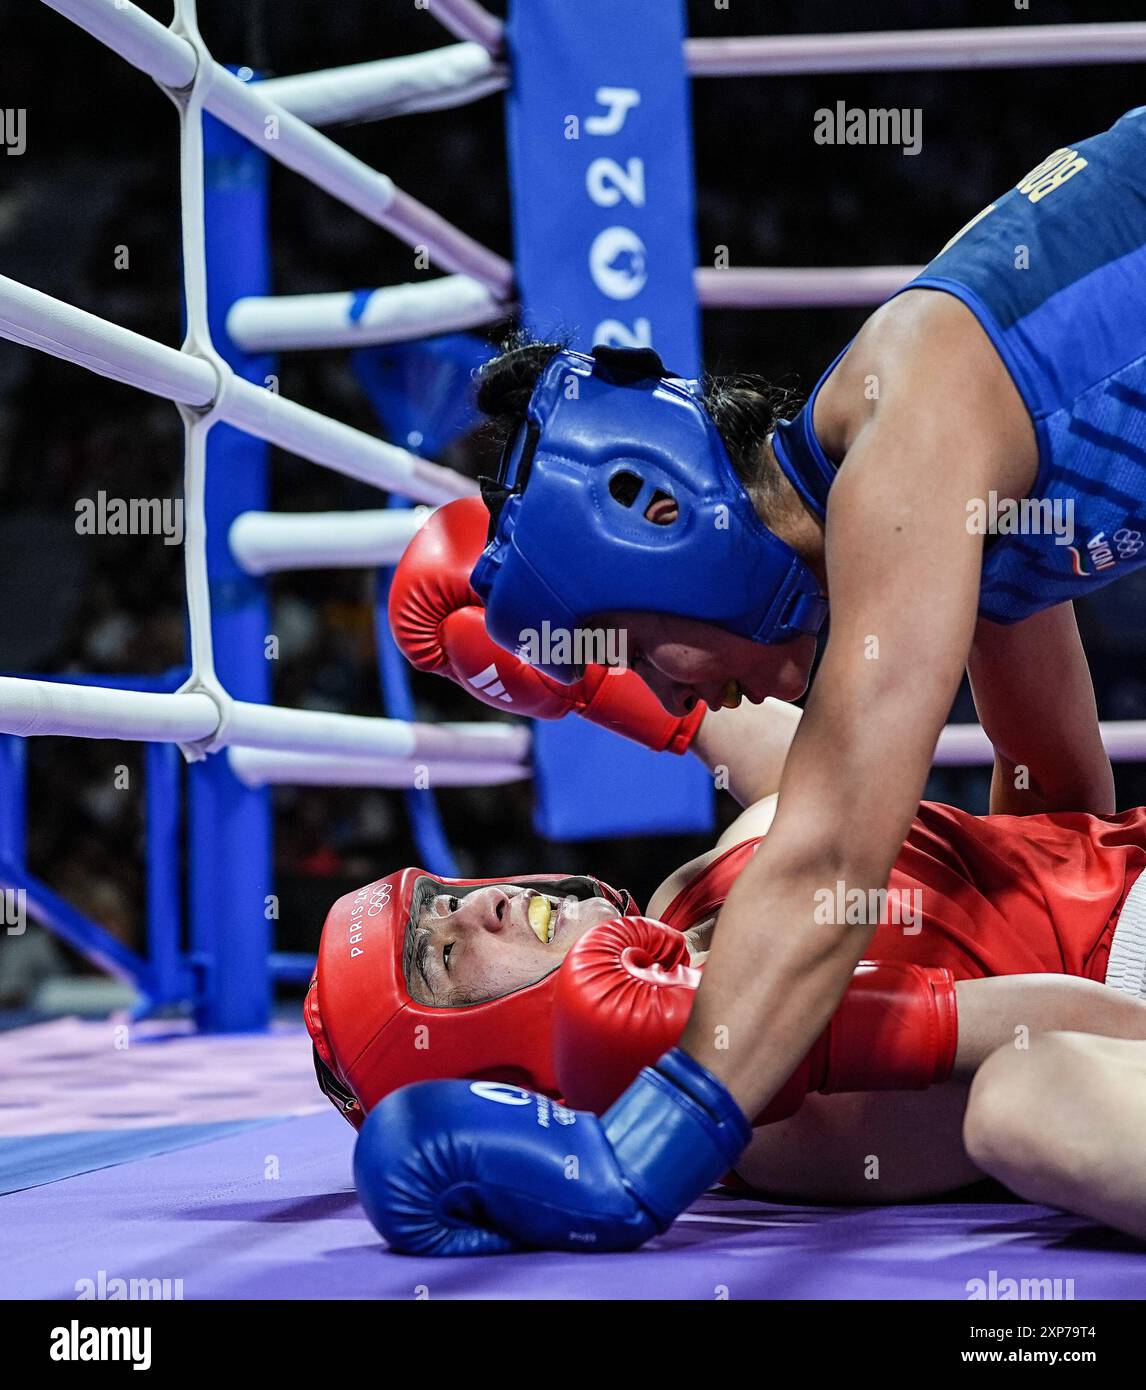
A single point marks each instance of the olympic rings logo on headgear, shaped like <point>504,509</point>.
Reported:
<point>1127,542</point>
<point>379,900</point>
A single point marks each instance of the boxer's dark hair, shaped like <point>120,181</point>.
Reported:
<point>743,408</point>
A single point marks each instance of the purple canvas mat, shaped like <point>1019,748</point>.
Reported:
<point>72,1074</point>
<point>271,1213</point>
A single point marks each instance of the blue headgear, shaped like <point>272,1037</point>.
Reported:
<point>604,437</point>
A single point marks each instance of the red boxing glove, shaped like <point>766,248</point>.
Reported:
<point>625,991</point>
<point>896,1029</point>
<point>439,625</point>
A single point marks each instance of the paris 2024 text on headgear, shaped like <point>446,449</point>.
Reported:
<point>606,436</point>
<point>371,1036</point>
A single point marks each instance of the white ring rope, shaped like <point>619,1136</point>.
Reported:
<point>29,707</point>
<point>432,81</point>
<point>32,707</point>
<point>966,745</point>
<point>396,313</point>
<point>314,731</point>
<point>466,19</point>
<point>37,320</point>
<point>257,767</point>
<point>271,542</point>
<point>768,287</point>
<point>912,50</point>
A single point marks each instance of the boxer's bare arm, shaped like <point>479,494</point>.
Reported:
<point>1031,680</point>
<point>1035,698</point>
<point>903,570</point>
<point>746,748</point>
<point>1010,1010</point>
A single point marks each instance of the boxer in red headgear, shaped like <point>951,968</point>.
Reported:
<point>567,1000</point>
<point>569,992</point>
<point>371,1013</point>
<point>376,1008</point>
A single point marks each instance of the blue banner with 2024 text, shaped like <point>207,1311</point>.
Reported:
<point>600,152</point>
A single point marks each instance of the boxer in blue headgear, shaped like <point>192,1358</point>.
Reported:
<point>968,466</point>
<point>626,458</point>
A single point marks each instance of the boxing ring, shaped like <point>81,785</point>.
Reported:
<point>157,1158</point>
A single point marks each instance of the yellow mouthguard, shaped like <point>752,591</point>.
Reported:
<point>732,694</point>
<point>540,913</point>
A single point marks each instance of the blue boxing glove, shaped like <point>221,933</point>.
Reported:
<point>483,1168</point>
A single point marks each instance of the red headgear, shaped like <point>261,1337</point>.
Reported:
<point>370,1036</point>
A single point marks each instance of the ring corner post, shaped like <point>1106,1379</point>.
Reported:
<point>13,801</point>
<point>230,829</point>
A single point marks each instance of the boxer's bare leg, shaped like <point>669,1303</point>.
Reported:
<point>1064,1122</point>
<point>871,1147</point>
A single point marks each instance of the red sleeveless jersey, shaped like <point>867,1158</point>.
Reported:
<point>996,895</point>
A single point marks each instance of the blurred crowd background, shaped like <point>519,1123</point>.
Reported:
<point>100,173</point>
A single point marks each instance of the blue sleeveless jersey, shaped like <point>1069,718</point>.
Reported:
<point>1055,272</point>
